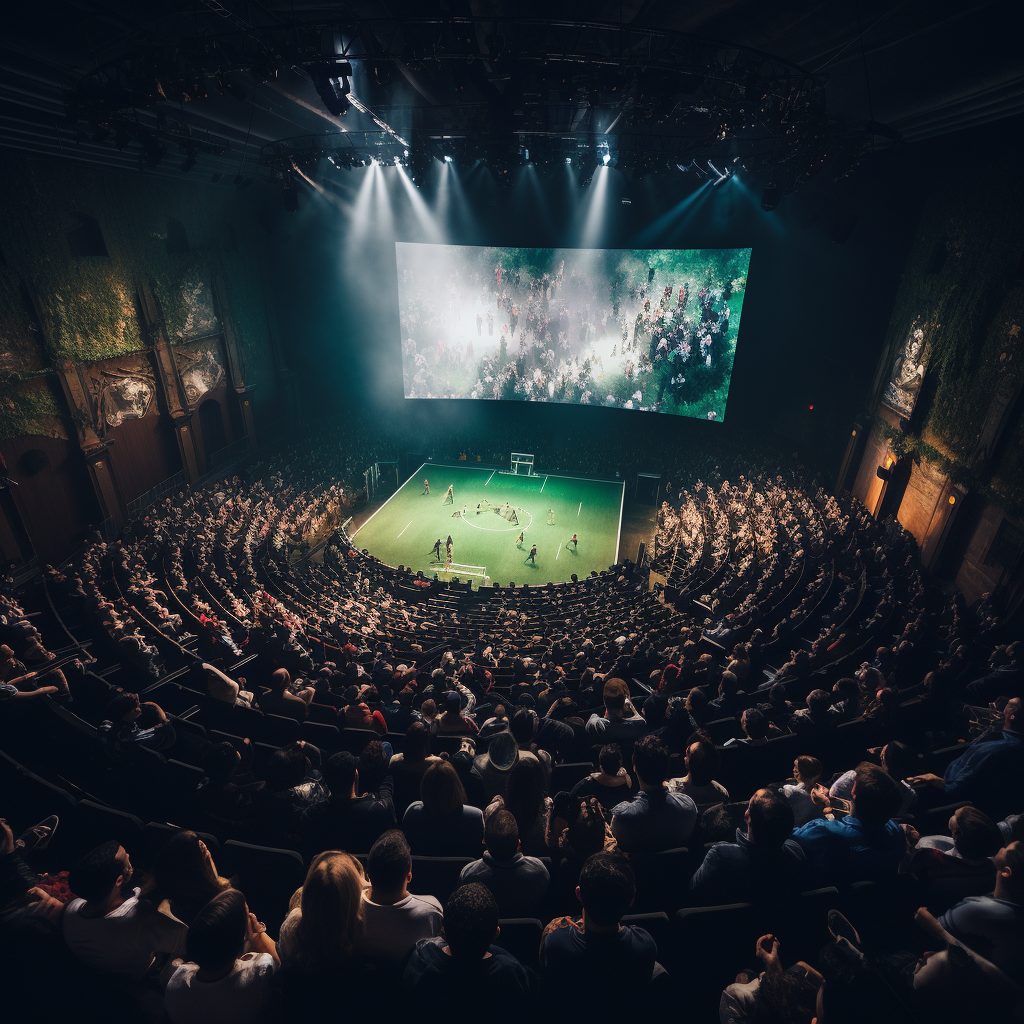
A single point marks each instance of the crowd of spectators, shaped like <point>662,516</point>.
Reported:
<point>452,803</point>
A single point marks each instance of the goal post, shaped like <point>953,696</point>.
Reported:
<point>476,574</point>
<point>522,463</point>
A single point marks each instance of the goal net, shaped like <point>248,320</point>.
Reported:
<point>476,573</point>
<point>522,463</point>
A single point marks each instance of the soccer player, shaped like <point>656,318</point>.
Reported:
<point>551,517</point>
<point>479,507</point>
<point>426,486</point>
<point>505,510</point>
<point>573,542</point>
<point>532,556</point>
<point>520,539</point>
<point>449,548</point>
<point>437,550</point>
<point>450,493</point>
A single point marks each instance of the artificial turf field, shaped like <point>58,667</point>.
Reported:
<point>403,530</point>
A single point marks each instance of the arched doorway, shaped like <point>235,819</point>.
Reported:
<point>211,424</point>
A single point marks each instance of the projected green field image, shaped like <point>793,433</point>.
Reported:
<point>485,534</point>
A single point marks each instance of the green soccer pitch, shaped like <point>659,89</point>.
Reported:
<point>403,530</point>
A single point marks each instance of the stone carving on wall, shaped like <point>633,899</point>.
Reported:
<point>201,369</point>
<point>123,389</point>
<point>908,370</point>
<point>198,314</point>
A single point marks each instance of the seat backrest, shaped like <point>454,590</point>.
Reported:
<point>437,876</point>
<point>93,823</point>
<point>659,927</point>
<point>267,875</point>
<point>565,776</point>
<point>520,936</point>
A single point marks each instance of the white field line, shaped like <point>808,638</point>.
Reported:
<point>543,485</point>
<point>407,525</point>
<point>579,510</point>
<point>395,495</point>
<point>618,538</point>
<point>488,480</point>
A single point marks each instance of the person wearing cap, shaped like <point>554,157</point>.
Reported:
<point>494,766</point>
<point>620,721</point>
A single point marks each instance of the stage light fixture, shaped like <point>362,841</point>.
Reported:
<point>448,158</point>
<point>568,161</point>
<point>331,79</point>
<point>188,163</point>
<point>606,159</point>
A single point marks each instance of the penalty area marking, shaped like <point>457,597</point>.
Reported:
<point>488,480</point>
<point>580,509</point>
<point>543,485</point>
<point>406,527</point>
<point>558,552</point>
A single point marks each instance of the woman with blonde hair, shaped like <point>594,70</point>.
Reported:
<point>318,939</point>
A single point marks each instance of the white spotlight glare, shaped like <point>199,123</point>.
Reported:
<point>606,159</point>
<point>568,161</point>
<point>398,160</point>
<point>447,158</point>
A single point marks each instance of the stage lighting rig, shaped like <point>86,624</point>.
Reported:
<point>331,77</point>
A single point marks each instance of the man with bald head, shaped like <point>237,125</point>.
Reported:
<point>990,772</point>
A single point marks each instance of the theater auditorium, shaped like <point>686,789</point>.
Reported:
<point>434,589</point>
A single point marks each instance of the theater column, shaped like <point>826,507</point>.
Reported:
<point>187,446</point>
<point>98,460</point>
<point>95,448</point>
<point>170,380</point>
<point>236,368</point>
<point>245,396</point>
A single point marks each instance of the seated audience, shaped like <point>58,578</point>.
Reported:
<point>594,967</point>
<point>702,762</point>
<point>519,884</point>
<point>867,844</point>
<point>807,797</point>
<point>441,823</point>
<point>654,819</point>
<point>231,960</point>
<point>453,976</point>
<point>287,698</point>
<point>318,943</point>
<point>763,864</point>
<point>621,722</point>
<point>184,877</point>
<point>345,819</point>
<point>993,925</point>
<point>611,783</point>
<point>990,773</point>
<point>120,732</point>
<point>107,926</point>
<point>394,920</point>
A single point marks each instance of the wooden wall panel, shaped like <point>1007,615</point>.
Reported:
<point>57,504</point>
<point>144,453</point>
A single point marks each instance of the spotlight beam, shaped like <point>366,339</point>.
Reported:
<point>595,212</point>
<point>427,222</point>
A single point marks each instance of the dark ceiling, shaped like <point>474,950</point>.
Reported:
<point>876,70</point>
